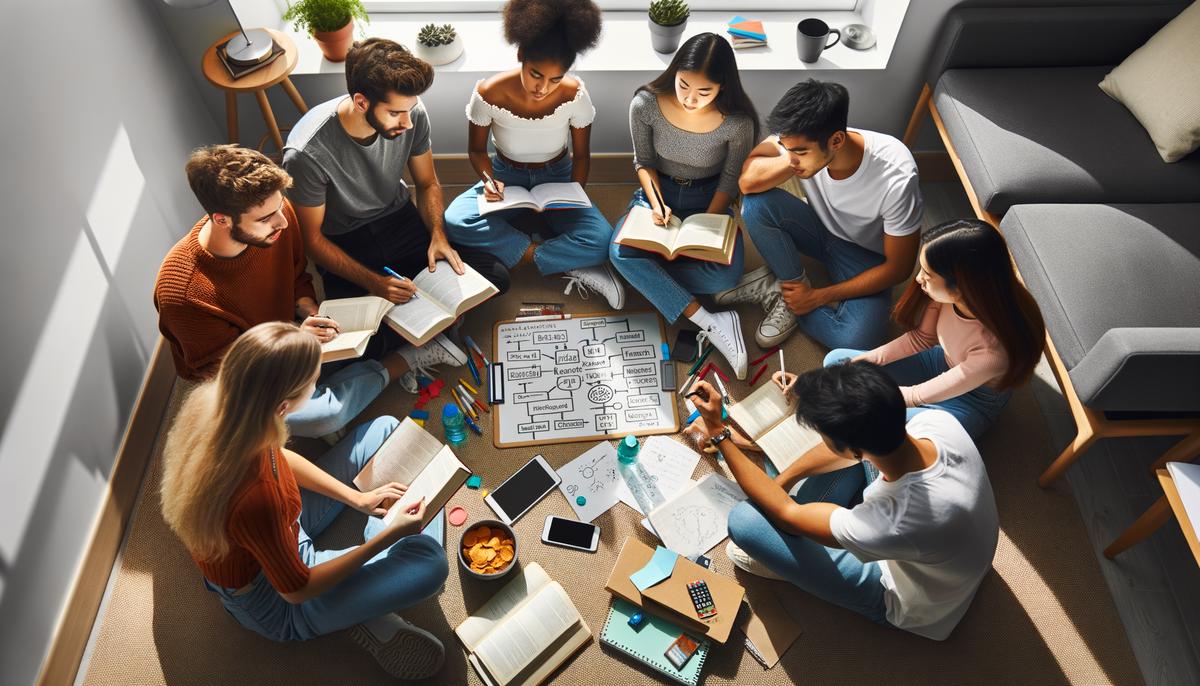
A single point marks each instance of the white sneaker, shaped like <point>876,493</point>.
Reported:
<point>601,279</point>
<point>748,564</point>
<point>403,650</point>
<point>408,381</point>
<point>438,350</point>
<point>778,323</point>
<point>756,286</point>
<point>725,333</point>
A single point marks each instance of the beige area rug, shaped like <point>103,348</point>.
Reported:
<point>1043,616</point>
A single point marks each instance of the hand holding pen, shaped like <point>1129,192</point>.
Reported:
<point>493,190</point>
<point>396,288</point>
<point>663,214</point>
<point>321,326</point>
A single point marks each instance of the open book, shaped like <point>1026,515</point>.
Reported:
<point>701,236</point>
<point>358,319</point>
<point>411,456</point>
<point>525,632</point>
<point>546,196</point>
<point>769,417</point>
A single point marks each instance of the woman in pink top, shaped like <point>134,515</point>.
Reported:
<point>974,331</point>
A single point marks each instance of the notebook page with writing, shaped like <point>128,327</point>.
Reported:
<point>419,315</point>
<point>407,450</point>
<point>528,632</point>
<point>788,442</point>
<point>449,290</point>
<point>516,591</point>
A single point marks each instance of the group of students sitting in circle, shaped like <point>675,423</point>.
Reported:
<point>892,516</point>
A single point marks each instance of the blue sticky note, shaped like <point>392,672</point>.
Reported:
<point>658,569</point>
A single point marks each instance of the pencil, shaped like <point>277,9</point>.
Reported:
<point>781,369</point>
<point>468,386</point>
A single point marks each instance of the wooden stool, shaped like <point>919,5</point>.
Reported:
<point>256,82</point>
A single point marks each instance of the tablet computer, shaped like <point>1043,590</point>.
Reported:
<point>521,491</point>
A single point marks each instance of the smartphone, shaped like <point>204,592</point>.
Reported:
<point>521,491</point>
<point>685,346</point>
<point>570,533</point>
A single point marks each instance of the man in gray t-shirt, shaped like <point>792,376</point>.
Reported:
<point>347,157</point>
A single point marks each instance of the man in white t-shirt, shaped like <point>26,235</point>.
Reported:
<point>862,221</point>
<point>913,550</point>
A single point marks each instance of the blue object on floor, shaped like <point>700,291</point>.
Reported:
<point>474,481</point>
<point>581,501</point>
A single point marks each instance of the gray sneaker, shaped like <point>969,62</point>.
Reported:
<point>408,381</point>
<point>756,286</point>
<point>601,279</point>
<point>725,334</point>
<point>438,350</point>
<point>778,323</point>
<point>403,650</point>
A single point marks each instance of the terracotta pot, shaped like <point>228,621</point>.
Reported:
<point>335,45</point>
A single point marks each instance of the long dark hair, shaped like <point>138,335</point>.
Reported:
<point>973,259</point>
<point>712,56</point>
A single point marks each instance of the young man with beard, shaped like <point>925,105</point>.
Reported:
<point>243,264</point>
<point>862,221</point>
<point>357,215</point>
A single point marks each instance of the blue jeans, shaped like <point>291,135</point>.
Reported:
<point>580,235</point>
<point>832,574</point>
<point>783,227</point>
<point>406,573</point>
<point>975,410</point>
<point>343,390</point>
<point>670,285</point>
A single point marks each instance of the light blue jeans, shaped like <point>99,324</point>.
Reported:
<point>671,284</point>
<point>783,227</point>
<point>975,410</point>
<point>580,235</point>
<point>831,574</point>
<point>406,573</point>
<point>343,390</point>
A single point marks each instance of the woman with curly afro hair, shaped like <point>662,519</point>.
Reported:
<point>534,114</point>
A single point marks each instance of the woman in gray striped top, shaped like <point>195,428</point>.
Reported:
<point>692,129</point>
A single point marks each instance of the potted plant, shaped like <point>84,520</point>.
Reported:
<point>668,19</point>
<point>331,23</point>
<point>438,44</point>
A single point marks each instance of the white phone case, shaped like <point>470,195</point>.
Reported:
<point>546,536</point>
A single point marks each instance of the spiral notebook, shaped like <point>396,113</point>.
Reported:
<point>649,644</point>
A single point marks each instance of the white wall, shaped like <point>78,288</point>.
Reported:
<point>99,115</point>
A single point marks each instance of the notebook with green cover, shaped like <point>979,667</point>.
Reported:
<point>649,643</point>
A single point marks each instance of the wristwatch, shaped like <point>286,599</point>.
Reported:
<point>715,441</point>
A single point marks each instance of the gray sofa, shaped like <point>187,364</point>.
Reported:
<point>1105,234</point>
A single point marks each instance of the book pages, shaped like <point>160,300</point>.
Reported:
<point>522,586</point>
<point>401,458</point>
<point>429,483</point>
<point>353,314</point>
<point>760,411</point>
<point>449,290</point>
<point>788,442</point>
<point>527,632</point>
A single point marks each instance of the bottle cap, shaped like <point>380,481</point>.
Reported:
<point>627,449</point>
<point>450,410</point>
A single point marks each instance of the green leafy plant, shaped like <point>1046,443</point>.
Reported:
<point>323,16</point>
<point>669,12</point>
<point>432,35</point>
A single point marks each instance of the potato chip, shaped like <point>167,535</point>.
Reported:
<point>484,532</point>
<point>506,554</point>
<point>494,542</point>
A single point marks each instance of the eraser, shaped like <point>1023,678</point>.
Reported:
<point>474,481</point>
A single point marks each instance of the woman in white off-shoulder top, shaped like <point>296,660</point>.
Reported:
<point>540,121</point>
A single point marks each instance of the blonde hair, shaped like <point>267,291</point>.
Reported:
<point>225,424</point>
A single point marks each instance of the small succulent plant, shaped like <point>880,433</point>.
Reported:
<point>669,12</point>
<point>432,35</point>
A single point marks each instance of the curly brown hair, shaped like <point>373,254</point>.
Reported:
<point>378,66</point>
<point>229,179</point>
<point>552,29</point>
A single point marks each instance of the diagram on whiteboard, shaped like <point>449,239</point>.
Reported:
<point>590,377</point>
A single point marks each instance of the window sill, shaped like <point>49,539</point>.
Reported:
<point>625,44</point>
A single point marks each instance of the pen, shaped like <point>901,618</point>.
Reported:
<point>469,409</point>
<point>492,181</point>
<point>474,370</point>
<point>471,344</point>
<point>662,204</point>
<point>471,423</point>
<point>699,361</point>
<point>781,369</point>
<point>721,386</point>
<point>392,273</point>
<point>542,317</point>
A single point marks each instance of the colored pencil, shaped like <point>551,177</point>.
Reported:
<point>464,383</point>
<point>758,373</point>
<point>764,356</point>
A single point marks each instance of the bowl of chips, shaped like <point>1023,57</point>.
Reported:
<point>488,550</point>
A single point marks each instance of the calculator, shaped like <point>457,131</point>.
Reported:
<point>702,599</point>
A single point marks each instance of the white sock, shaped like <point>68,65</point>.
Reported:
<point>701,318</point>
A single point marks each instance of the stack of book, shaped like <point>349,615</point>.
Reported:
<point>746,33</point>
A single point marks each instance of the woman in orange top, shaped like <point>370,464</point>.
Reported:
<point>232,492</point>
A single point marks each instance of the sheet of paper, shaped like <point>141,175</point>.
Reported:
<point>594,476</point>
<point>657,570</point>
<point>697,519</point>
<point>1187,482</point>
<point>669,463</point>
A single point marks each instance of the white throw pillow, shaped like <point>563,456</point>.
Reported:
<point>1160,84</point>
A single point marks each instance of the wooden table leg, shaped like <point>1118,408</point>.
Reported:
<point>290,89</point>
<point>269,117</point>
<point>1148,523</point>
<point>1183,451</point>
<point>231,115</point>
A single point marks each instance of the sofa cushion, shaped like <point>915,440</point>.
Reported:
<point>1119,287</point>
<point>1029,136</point>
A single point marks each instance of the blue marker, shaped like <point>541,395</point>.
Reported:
<point>392,273</point>
<point>474,369</point>
<point>666,352</point>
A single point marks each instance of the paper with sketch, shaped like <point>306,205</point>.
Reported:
<point>594,476</point>
<point>670,463</point>
<point>696,519</point>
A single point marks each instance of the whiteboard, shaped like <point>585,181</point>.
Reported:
<point>594,376</point>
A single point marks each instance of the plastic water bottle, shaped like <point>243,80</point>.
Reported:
<point>452,424</point>
<point>643,486</point>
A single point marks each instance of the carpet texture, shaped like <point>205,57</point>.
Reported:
<point>1043,616</point>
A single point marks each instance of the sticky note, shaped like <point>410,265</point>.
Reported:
<point>658,569</point>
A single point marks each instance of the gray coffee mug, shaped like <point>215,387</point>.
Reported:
<point>812,38</point>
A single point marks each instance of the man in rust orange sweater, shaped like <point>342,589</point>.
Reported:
<point>243,264</point>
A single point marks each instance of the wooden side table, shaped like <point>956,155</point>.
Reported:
<point>1158,513</point>
<point>255,82</point>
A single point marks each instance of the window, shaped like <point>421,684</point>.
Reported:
<point>616,5</point>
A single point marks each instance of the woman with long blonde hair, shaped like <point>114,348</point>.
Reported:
<point>232,493</point>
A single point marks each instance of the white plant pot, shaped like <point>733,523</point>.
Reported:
<point>441,54</point>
